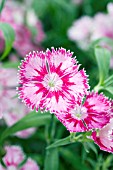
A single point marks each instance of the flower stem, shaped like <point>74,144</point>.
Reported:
<point>50,130</point>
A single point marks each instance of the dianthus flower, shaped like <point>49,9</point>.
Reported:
<point>14,114</point>
<point>11,108</point>
<point>8,85</point>
<point>51,80</point>
<point>104,137</point>
<point>92,114</point>
<point>80,35</point>
<point>99,26</point>
<point>24,40</point>
<point>14,157</point>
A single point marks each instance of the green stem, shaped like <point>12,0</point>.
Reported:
<point>53,127</point>
<point>97,88</point>
<point>50,130</point>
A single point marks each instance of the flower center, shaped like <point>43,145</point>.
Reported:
<point>79,112</point>
<point>52,82</point>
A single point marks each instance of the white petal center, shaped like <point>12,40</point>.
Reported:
<point>79,112</point>
<point>52,82</point>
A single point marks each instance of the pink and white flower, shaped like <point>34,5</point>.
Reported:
<point>80,31</point>
<point>103,26</point>
<point>17,111</point>
<point>30,165</point>
<point>87,29</point>
<point>1,167</point>
<point>8,85</point>
<point>94,113</point>
<point>11,109</point>
<point>14,156</point>
<point>51,80</point>
<point>35,23</point>
<point>23,35</point>
<point>104,137</point>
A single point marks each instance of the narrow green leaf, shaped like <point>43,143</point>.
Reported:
<point>73,158</point>
<point>60,142</point>
<point>90,146</point>
<point>107,163</point>
<point>99,162</point>
<point>109,89</point>
<point>108,81</point>
<point>9,36</point>
<point>103,61</point>
<point>35,120</point>
<point>91,161</point>
<point>2,5</point>
<point>102,41</point>
<point>10,64</point>
<point>51,159</point>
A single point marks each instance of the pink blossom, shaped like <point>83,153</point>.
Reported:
<point>35,23</point>
<point>11,109</point>
<point>92,114</point>
<point>103,26</point>
<point>30,165</point>
<point>1,167</point>
<point>87,29</point>
<point>8,85</point>
<point>51,80</point>
<point>23,39</point>
<point>80,31</point>
<point>14,114</point>
<point>15,156</point>
<point>104,137</point>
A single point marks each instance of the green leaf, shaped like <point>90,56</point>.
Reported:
<point>108,81</point>
<point>106,164</point>
<point>51,159</point>
<point>2,5</point>
<point>31,120</point>
<point>73,158</point>
<point>10,64</point>
<point>103,61</point>
<point>109,89</point>
<point>9,36</point>
<point>102,41</point>
<point>90,146</point>
<point>99,162</point>
<point>60,142</point>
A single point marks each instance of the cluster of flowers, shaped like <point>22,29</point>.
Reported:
<point>52,81</point>
<point>86,29</point>
<point>14,109</point>
<point>24,23</point>
<point>14,159</point>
